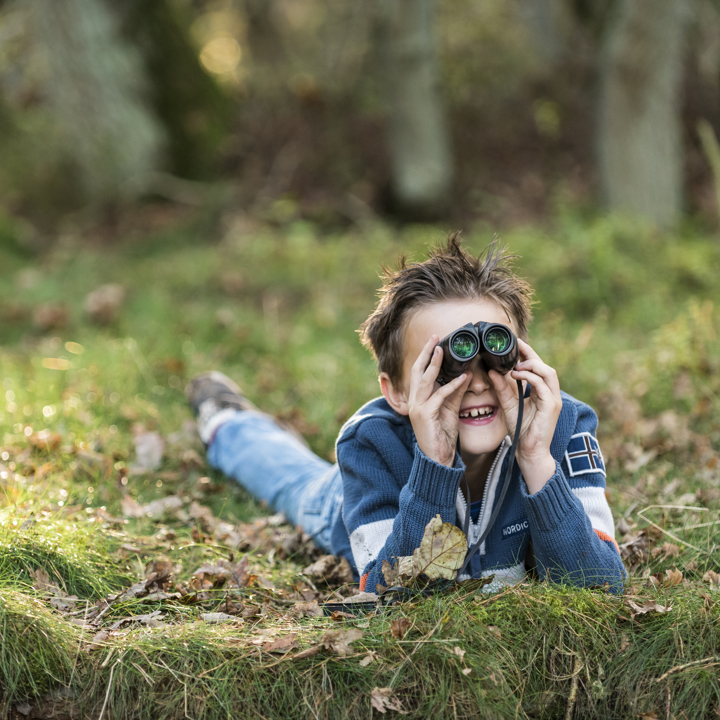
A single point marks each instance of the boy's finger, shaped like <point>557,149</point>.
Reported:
<point>537,366</point>
<point>506,390</point>
<point>446,393</point>
<point>426,383</point>
<point>526,351</point>
<point>425,356</point>
<point>544,392</point>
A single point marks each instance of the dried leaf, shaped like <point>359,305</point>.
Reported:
<point>672,577</point>
<point>667,550</point>
<point>383,699</point>
<point>46,441</point>
<point>648,716</point>
<point>390,573</point>
<point>459,652</point>
<point>466,671</point>
<point>309,652</point>
<point>51,316</point>
<point>623,526</point>
<point>340,615</point>
<point>362,597</point>
<point>649,607</point>
<point>216,618</point>
<point>103,304</point>
<point>338,641</point>
<point>281,645</point>
<point>307,609</point>
<point>711,577</point>
<point>495,631</point>
<point>203,515</point>
<point>399,627</point>
<point>149,449</point>
<point>64,603</point>
<point>367,659</point>
<point>41,581</point>
<point>222,573</point>
<point>98,641</point>
<point>331,569</point>
<point>442,550</point>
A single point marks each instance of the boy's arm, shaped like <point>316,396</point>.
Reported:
<point>386,512</point>
<point>570,520</point>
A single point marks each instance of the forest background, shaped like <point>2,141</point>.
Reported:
<point>189,185</point>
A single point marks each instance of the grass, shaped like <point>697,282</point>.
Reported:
<point>627,316</point>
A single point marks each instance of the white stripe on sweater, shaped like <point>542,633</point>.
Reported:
<point>597,509</point>
<point>503,576</point>
<point>368,540</point>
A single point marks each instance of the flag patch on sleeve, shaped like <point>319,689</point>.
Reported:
<point>583,455</point>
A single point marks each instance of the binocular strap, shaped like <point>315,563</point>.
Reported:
<point>503,492</point>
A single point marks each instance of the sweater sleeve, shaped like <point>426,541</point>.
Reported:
<point>385,511</point>
<point>570,520</point>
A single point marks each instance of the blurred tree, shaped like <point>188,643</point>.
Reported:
<point>550,24</point>
<point>639,130</point>
<point>419,144</point>
<point>194,111</point>
<point>96,88</point>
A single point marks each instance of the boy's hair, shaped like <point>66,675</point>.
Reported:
<point>449,273</point>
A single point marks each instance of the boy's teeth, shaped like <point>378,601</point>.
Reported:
<point>476,412</point>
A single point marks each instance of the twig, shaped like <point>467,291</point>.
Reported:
<point>667,532</point>
<point>667,704</point>
<point>417,647</point>
<point>573,689</point>
<point>678,668</point>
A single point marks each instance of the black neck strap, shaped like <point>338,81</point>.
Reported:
<point>503,492</point>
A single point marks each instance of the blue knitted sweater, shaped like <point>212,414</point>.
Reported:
<point>392,490</point>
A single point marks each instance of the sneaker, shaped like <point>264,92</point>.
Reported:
<point>214,398</point>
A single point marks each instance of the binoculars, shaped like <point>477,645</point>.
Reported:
<point>494,343</point>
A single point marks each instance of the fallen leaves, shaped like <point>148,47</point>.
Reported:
<point>336,642</point>
<point>103,304</point>
<point>222,573</point>
<point>218,617</point>
<point>331,569</point>
<point>441,554</point>
<point>399,627</point>
<point>383,699</point>
<point>650,606</point>
<point>282,645</point>
<point>149,450</point>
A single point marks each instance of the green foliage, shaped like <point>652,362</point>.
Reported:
<point>629,318</point>
<point>37,652</point>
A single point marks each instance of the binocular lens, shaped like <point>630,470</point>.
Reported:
<point>464,345</point>
<point>497,341</point>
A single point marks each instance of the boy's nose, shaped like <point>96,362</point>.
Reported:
<point>480,380</point>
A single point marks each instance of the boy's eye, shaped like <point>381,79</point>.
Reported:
<point>497,341</point>
<point>464,345</point>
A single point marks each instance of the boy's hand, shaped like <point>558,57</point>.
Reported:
<point>434,414</point>
<point>540,414</point>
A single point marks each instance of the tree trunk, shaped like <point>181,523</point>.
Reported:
<point>420,156</point>
<point>549,24</point>
<point>639,141</point>
<point>96,90</point>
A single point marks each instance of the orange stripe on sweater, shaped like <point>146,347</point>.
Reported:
<point>363,581</point>
<point>606,538</point>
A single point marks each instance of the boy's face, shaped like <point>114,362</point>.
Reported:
<point>481,423</point>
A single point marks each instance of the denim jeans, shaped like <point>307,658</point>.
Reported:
<point>275,467</point>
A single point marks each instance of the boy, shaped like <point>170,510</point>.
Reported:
<point>398,460</point>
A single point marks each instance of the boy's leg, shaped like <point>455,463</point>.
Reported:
<point>268,461</point>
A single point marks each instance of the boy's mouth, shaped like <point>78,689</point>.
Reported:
<point>480,415</point>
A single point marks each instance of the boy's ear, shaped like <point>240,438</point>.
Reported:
<point>394,394</point>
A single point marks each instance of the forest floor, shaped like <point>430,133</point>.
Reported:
<point>136,582</point>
